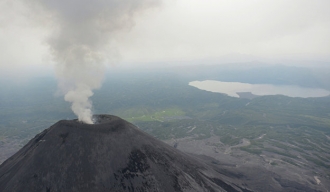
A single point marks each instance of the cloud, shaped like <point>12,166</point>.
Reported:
<point>193,29</point>
<point>179,30</point>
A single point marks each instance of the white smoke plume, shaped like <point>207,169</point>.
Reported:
<point>81,33</point>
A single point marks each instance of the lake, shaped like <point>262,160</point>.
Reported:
<point>234,88</point>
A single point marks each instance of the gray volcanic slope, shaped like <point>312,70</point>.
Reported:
<point>112,155</point>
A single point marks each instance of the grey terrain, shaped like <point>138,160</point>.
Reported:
<point>112,155</point>
<point>264,143</point>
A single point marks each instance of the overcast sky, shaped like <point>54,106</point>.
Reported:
<point>188,30</point>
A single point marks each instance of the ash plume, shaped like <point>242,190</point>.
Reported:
<point>82,31</point>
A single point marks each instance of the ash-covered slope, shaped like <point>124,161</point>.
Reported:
<point>112,155</point>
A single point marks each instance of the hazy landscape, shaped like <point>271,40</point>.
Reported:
<point>240,89</point>
<point>286,136</point>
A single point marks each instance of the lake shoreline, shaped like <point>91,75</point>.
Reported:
<point>250,91</point>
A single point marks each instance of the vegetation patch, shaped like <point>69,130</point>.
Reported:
<point>166,114</point>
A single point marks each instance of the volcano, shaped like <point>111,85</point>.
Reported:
<point>110,155</point>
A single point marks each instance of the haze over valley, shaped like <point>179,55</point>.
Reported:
<point>274,135</point>
<point>190,95</point>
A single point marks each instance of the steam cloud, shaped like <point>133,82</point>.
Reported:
<point>82,32</point>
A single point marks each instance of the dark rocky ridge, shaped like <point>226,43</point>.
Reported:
<point>112,155</point>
